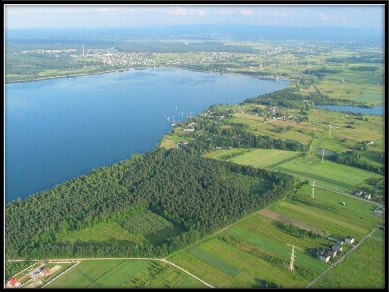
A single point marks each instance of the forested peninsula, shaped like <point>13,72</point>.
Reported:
<point>197,195</point>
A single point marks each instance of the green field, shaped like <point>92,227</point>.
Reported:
<point>255,157</point>
<point>101,232</point>
<point>273,128</point>
<point>124,274</point>
<point>255,252</point>
<point>330,174</point>
<point>143,226</point>
<point>364,268</point>
<point>326,211</point>
<point>249,253</point>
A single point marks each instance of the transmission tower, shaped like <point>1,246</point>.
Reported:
<point>313,190</point>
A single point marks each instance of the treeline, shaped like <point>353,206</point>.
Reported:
<point>353,158</point>
<point>200,194</point>
<point>368,58</point>
<point>11,268</point>
<point>290,98</point>
<point>364,68</point>
<point>209,135</point>
<point>323,71</point>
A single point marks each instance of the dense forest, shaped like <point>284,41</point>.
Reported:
<point>290,98</point>
<point>354,158</point>
<point>200,194</point>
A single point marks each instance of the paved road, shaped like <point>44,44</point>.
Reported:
<point>341,259</point>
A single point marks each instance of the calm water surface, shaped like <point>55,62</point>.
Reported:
<point>377,110</point>
<point>61,128</point>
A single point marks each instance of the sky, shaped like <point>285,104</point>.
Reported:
<point>136,16</point>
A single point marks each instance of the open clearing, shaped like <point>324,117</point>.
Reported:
<point>124,274</point>
<point>330,174</point>
<point>145,226</point>
<point>261,158</point>
<point>364,268</point>
<point>254,252</point>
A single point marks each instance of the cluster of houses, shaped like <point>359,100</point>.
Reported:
<point>37,274</point>
<point>380,209</point>
<point>190,128</point>
<point>182,143</point>
<point>325,256</point>
<point>364,194</point>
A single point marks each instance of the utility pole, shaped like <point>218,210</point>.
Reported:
<point>291,266</point>
<point>329,132</point>
<point>292,258</point>
<point>313,190</point>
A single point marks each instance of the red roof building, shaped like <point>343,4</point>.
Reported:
<point>12,281</point>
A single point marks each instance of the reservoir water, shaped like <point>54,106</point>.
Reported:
<point>378,110</point>
<point>58,129</point>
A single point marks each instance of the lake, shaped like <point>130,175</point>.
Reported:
<point>58,129</point>
<point>378,110</point>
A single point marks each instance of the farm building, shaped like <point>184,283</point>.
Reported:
<point>325,257</point>
<point>12,283</point>
<point>379,209</point>
<point>367,196</point>
<point>349,239</point>
<point>333,253</point>
<point>337,247</point>
<point>37,273</point>
<point>182,144</point>
<point>358,193</point>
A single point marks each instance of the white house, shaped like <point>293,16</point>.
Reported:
<point>325,258</point>
<point>367,196</point>
<point>349,239</point>
<point>337,247</point>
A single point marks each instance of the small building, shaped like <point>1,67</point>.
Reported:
<point>12,283</point>
<point>325,258</point>
<point>337,247</point>
<point>358,193</point>
<point>367,196</point>
<point>183,143</point>
<point>333,253</point>
<point>349,239</point>
<point>340,242</point>
<point>189,130</point>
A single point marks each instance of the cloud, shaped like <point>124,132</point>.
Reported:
<point>339,17</point>
<point>324,17</point>
<point>116,10</point>
<point>246,12</point>
<point>283,14</point>
<point>181,11</point>
<point>226,12</point>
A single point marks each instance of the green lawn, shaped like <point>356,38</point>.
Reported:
<point>102,232</point>
<point>124,274</point>
<point>327,212</point>
<point>261,158</point>
<point>330,174</point>
<point>143,226</point>
<point>363,268</point>
<point>256,249</point>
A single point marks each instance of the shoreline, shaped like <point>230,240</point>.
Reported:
<point>143,68</point>
<point>66,76</point>
<point>24,197</point>
<point>262,77</point>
